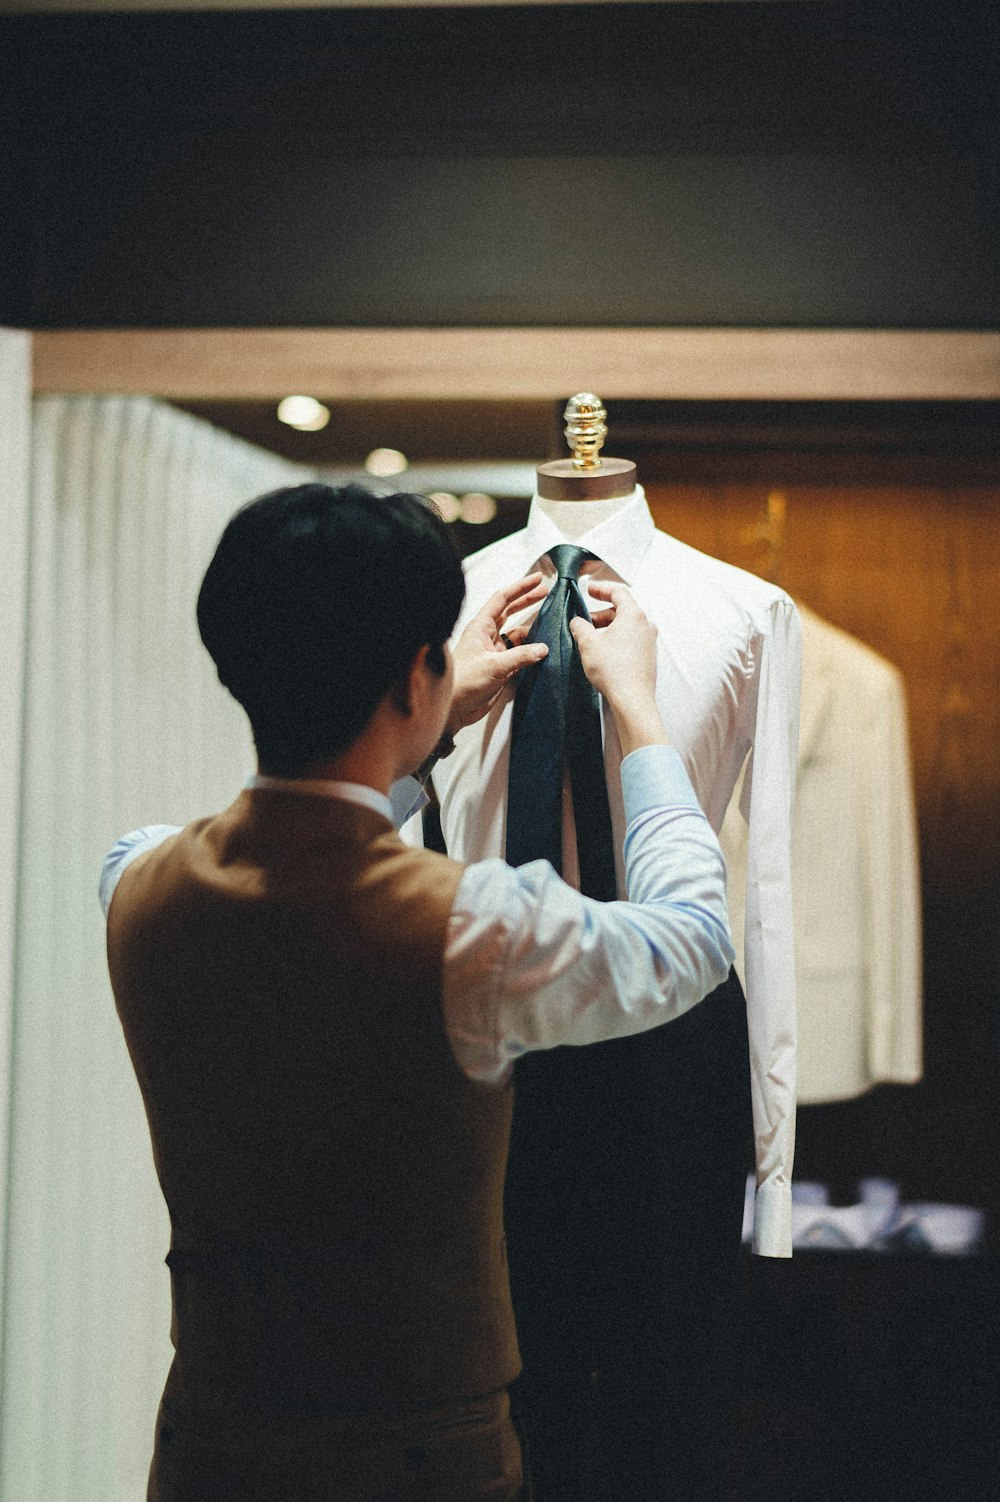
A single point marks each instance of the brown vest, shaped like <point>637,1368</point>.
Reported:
<point>334,1182</point>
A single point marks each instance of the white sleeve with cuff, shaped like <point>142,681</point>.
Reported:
<point>530,963</point>
<point>768,796</point>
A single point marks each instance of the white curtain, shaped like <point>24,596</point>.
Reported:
<point>15,444</point>
<point>124,723</point>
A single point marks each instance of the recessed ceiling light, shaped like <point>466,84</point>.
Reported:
<point>386,462</point>
<point>304,413</point>
<point>478,508</point>
<point>448,506</point>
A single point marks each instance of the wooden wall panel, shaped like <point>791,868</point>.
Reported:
<point>914,571</point>
<point>503,364</point>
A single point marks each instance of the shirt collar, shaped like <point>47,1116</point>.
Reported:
<point>621,541</point>
<point>350,792</point>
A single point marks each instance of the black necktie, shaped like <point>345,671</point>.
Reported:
<point>557,722</point>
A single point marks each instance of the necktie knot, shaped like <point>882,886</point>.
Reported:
<point>566,560</point>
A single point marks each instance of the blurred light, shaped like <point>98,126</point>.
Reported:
<point>304,413</point>
<point>478,508</point>
<point>448,506</point>
<point>385,462</point>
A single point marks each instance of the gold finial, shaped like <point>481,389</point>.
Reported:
<point>585,429</point>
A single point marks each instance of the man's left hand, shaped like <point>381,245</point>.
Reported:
<point>484,663</point>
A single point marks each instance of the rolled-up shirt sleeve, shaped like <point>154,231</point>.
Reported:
<point>530,963</point>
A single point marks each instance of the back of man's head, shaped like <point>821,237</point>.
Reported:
<point>314,606</point>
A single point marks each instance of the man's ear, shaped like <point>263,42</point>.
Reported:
<point>406,690</point>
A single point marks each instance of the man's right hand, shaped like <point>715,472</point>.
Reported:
<point>487,658</point>
<point>618,652</point>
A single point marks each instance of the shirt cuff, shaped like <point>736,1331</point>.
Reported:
<point>654,777</point>
<point>772,1220</point>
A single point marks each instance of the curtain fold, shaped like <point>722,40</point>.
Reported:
<point>15,448</point>
<point>124,724</point>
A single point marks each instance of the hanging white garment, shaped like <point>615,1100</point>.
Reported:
<point>855,881</point>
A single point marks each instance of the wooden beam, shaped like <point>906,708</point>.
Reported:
<point>521,363</point>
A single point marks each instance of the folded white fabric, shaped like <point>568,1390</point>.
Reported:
<point>877,1223</point>
<point>834,1228</point>
<point>950,1230</point>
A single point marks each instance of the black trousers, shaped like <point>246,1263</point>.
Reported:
<point>624,1211</point>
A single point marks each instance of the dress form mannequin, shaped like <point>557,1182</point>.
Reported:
<point>625,1260</point>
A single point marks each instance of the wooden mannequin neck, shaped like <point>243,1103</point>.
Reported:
<point>562,481</point>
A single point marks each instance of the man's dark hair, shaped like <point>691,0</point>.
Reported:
<point>314,606</point>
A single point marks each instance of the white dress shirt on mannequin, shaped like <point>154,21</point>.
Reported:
<point>728,686</point>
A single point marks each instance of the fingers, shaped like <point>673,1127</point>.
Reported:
<point>516,658</point>
<point>582,629</point>
<point>523,586</point>
<point>524,601</point>
<point>608,589</point>
<point>621,604</point>
<point>514,597</point>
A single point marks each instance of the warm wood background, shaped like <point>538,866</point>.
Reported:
<point>912,567</point>
<point>914,571</point>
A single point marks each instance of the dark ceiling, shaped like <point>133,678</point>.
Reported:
<point>804,164</point>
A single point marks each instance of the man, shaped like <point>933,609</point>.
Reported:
<point>323,1021</point>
